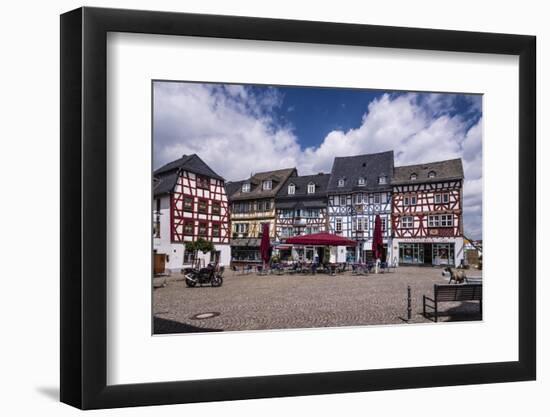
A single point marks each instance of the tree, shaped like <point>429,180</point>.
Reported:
<point>201,245</point>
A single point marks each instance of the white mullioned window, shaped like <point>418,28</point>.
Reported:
<point>311,188</point>
<point>291,189</point>
<point>431,174</point>
<point>413,177</point>
<point>246,187</point>
<point>446,220</point>
<point>382,179</point>
<point>377,198</point>
<point>433,221</point>
<point>384,198</point>
<point>342,200</point>
<point>361,181</point>
<point>267,184</point>
<point>338,224</point>
<point>341,182</point>
<point>358,198</point>
<point>383,223</point>
<point>407,222</point>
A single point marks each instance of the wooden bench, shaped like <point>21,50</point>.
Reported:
<point>452,292</point>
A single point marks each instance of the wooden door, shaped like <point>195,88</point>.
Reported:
<point>160,263</point>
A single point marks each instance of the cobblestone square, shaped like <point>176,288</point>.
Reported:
<point>254,302</point>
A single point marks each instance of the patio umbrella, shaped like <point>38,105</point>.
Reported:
<point>377,241</point>
<point>320,239</point>
<point>265,246</point>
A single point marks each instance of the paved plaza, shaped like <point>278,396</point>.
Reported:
<point>254,302</point>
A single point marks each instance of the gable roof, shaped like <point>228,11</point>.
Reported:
<point>166,176</point>
<point>368,166</point>
<point>450,169</point>
<point>301,184</point>
<point>233,186</point>
<point>278,177</point>
<point>191,163</point>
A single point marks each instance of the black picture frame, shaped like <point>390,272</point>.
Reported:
<point>84,207</point>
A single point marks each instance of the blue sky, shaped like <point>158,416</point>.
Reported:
<point>242,129</point>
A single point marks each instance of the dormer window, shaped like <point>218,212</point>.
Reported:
<point>382,179</point>
<point>311,188</point>
<point>413,177</point>
<point>291,189</point>
<point>341,182</point>
<point>246,187</point>
<point>361,181</point>
<point>431,174</point>
<point>267,185</point>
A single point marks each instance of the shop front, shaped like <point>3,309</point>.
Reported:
<point>415,253</point>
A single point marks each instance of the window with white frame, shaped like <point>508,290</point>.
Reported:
<point>267,184</point>
<point>384,198</point>
<point>446,220</point>
<point>441,198</point>
<point>360,224</point>
<point>246,187</point>
<point>377,198</point>
<point>361,181</point>
<point>382,179</point>
<point>433,221</point>
<point>413,177</point>
<point>311,188</point>
<point>431,174</point>
<point>358,198</point>
<point>291,189</point>
<point>342,200</point>
<point>406,201</point>
<point>338,224</point>
<point>341,182</point>
<point>407,222</point>
<point>383,223</point>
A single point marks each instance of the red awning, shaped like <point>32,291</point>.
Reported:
<point>321,239</point>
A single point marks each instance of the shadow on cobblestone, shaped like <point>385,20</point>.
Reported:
<point>164,326</point>
<point>465,311</point>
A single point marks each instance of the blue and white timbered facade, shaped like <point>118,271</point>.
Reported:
<point>359,190</point>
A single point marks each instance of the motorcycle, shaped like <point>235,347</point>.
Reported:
<point>209,275</point>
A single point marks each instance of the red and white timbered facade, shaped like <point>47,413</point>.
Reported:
<point>427,222</point>
<point>199,209</point>
<point>190,204</point>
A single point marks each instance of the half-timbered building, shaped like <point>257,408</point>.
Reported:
<point>301,209</point>
<point>359,189</point>
<point>427,213</point>
<point>189,202</point>
<point>253,205</point>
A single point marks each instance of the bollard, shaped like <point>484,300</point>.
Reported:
<point>409,309</point>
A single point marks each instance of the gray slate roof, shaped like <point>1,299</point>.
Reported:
<point>368,166</point>
<point>444,170</point>
<point>232,187</point>
<point>191,163</point>
<point>278,177</point>
<point>167,175</point>
<point>301,182</point>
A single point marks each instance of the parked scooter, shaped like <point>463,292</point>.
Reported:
<point>209,275</point>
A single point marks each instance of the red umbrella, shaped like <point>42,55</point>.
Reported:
<point>377,241</point>
<point>265,245</point>
<point>320,239</point>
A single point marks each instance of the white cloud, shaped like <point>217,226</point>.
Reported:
<point>233,128</point>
